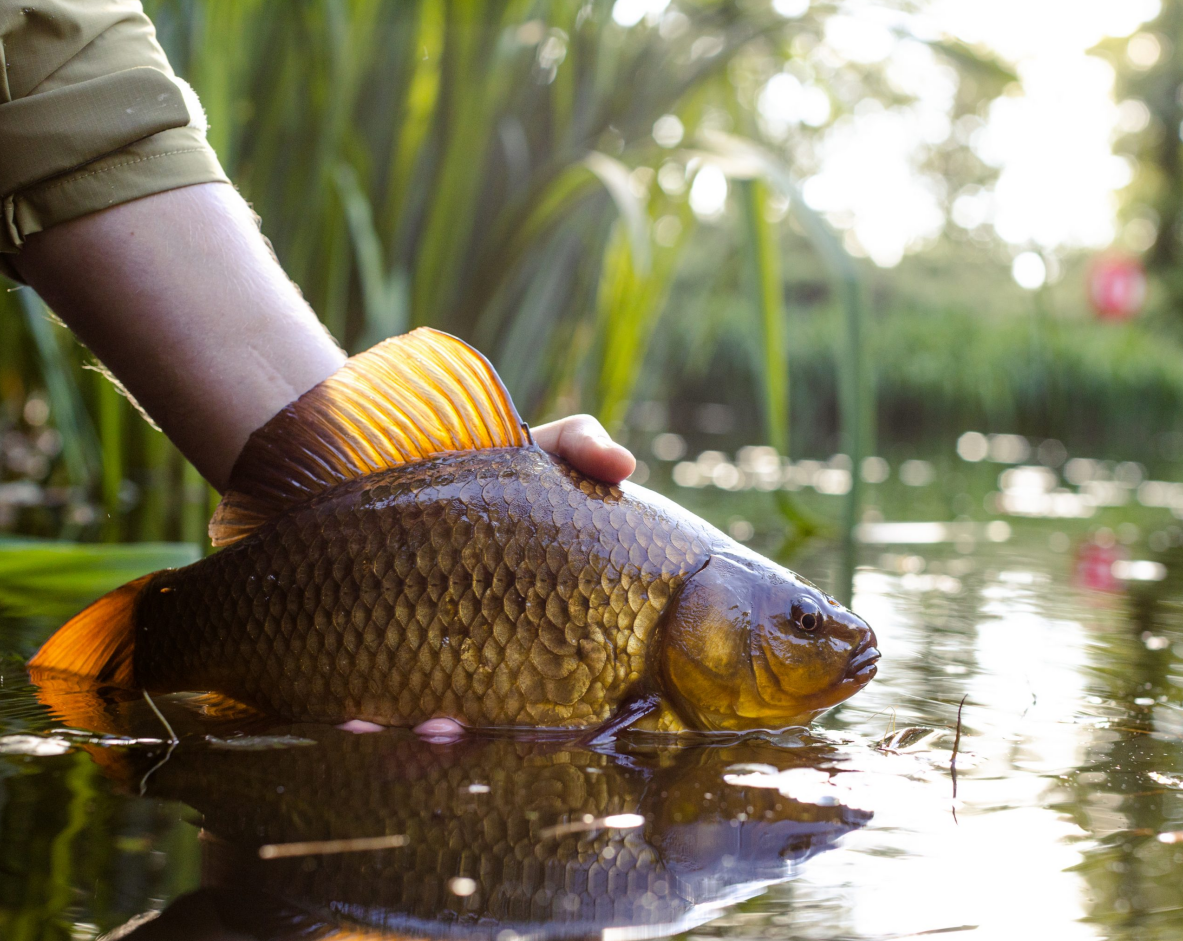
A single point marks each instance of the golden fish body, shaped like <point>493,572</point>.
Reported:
<point>499,587</point>
<point>398,549</point>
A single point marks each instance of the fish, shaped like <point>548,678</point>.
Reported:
<point>396,548</point>
<point>376,835</point>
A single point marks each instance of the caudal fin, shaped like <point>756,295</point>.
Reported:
<point>98,642</point>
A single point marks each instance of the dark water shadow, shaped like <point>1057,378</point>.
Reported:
<point>312,832</point>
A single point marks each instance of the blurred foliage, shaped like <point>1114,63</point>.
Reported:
<point>1110,390</point>
<point>496,169</point>
<point>54,579</point>
<point>462,164</point>
<point>487,168</point>
<point>1114,386</point>
<point>1153,203</point>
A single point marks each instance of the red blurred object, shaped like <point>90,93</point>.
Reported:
<point>1117,287</point>
<point>1094,566</point>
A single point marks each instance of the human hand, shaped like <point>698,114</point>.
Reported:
<point>583,441</point>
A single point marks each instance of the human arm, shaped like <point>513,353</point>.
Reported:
<point>181,298</point>
<point>114,207</point>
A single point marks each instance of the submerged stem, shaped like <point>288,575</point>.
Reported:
<point>173,741</point>
<point>956,745</point>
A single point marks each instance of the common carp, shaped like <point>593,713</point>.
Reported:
<point>483,839</point>
<point>398,549</point>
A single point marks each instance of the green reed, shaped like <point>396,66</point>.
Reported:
<point>80,446</point>
<point>486,167</point>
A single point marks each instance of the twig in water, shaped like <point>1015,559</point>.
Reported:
<point>882,712</point>
<point>173,741</point>
<point>956,744</point>
<point>316,847</point>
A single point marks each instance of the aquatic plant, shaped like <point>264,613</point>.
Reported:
<point>488,168</point>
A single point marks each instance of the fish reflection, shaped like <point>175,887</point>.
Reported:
<point>369,835</point>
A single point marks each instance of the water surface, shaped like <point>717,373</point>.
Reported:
<point>1059,823</point>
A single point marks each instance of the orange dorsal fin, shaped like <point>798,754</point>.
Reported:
<point>406,399</point>
<point>98,642</point>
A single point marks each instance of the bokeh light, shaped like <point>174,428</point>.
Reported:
<point>1029,271</point>
<point>708,192</point>
<point>1050,137</point>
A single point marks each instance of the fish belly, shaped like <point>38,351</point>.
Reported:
<point>498,587</point>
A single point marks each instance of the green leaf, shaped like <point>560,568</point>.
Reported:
<point>41,577</point>
<point>615,177</point>
<point>385,295</point>
<point>629,304</point>
<point>766,287</point>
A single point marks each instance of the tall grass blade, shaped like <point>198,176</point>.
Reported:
<point>80,446</point>
<point>385,295</point>
<point>194,508</point>
<point>615,177</point>
<point>410,133</point>
<point>745,160</point>
<point>767,290</point>
<point>630,304</point>
<point>153,515</point>
<point>111,436</point>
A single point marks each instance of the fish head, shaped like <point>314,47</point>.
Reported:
<point>748,644</point>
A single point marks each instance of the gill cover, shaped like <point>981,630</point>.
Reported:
<point>406,399</point>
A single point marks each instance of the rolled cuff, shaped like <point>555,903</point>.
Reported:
<point>167,160</point>
<point>50,133</point>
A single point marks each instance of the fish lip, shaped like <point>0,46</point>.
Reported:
<point>864,663</point>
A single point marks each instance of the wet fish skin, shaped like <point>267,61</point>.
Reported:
<point>500,587</point>
<point>399,550</point>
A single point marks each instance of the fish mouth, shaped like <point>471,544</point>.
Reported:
<point>864,665</point>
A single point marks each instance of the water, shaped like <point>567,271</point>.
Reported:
<point>1069,786</point>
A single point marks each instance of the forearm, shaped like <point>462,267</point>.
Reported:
<point>180,297</point>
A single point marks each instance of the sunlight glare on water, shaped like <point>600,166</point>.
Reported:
<point>1002,865</point>
<point>1064,823</point>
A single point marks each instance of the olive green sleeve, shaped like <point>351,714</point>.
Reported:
<point>91,115</point>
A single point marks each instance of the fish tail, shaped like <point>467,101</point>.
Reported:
<point>98,642</point>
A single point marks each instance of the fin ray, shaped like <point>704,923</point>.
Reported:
<point>97,642</point>
<point>220,706</point>
<point>408,398</point>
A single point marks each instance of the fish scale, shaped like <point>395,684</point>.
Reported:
<point>499,587</point>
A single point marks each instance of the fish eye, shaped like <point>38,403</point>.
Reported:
<point>807,615</point>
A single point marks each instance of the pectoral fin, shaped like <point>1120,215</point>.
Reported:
<point>626,716</point>
<point>222,707</point>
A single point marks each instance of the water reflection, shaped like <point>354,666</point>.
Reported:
<point>1070,771</point>
<point>308,831</point>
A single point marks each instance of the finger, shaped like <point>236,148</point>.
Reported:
<point>440,730</point>
<point>361,726</point>
<point>583,441</point>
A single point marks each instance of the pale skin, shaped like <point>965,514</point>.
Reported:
<point>182,299</point>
